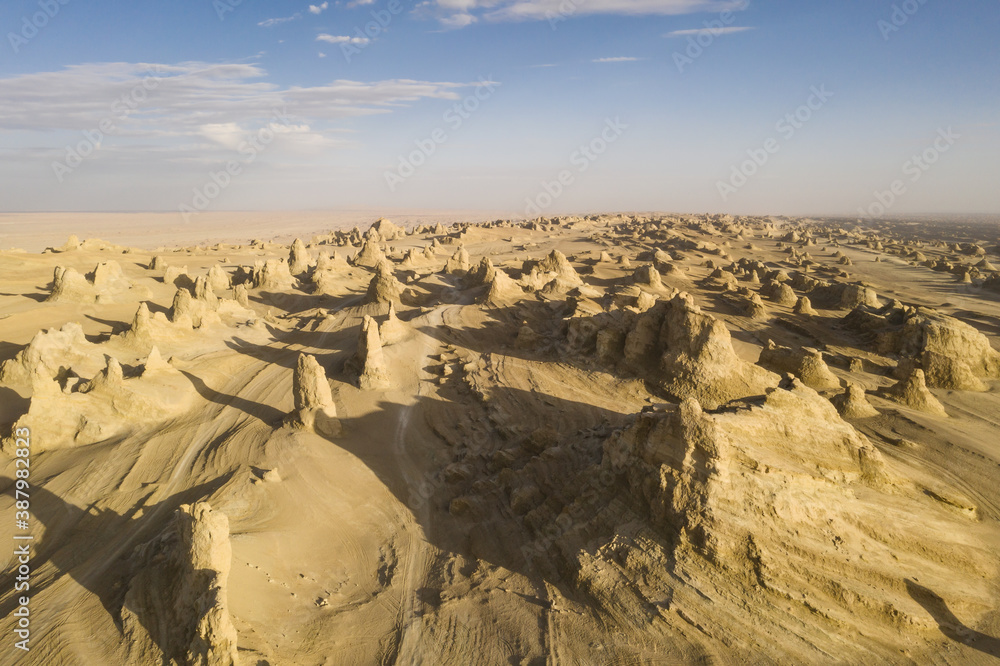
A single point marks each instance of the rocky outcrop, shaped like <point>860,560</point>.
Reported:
<point>313,399</point>
<point>368,363</point>
<point>482,274</point>
<point>912,391</point>
<point>780,293</point>
<point>724,483</point>
<point>299,259</point>
<point>854,295</point>
<point>806,363</point>
<point>48,356</point>
<point>459,263</point>
<point>101,285</point>
<point>384,287</point>
<point>676,346</point>
<point>698,360</point>
<point>852,403</point>
<point>804,307</point>
<point>952,354</point>
<point>67,411</point>
<point>647,276</point>
<point>176,608</point>
<point>271,275</point>
<point>392,330</point>
<point>218,279</point>
<point>370,255</point>
<point>557,267</point>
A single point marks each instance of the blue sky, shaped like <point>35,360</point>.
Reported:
<point>254,105</point>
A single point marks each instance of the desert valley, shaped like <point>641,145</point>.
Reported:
<point>606,439</point>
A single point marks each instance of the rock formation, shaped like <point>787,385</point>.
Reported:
<point>852,403</point>
<point>392,330</point>
<point>176,608</point>
<point>459,262</point>
<point>299,259</point>
<point>806,363</point>
<point>272,275</point>
<point>912,391</point>
<point>313,400</point>
<point>368,363</point>
<point>384,287</point>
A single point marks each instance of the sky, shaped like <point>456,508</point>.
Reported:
<point>526,107</point>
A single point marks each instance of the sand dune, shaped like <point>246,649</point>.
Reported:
<point>616,439</point>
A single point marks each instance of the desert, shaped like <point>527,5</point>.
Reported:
<point>629,438</point>
<point>499,333</point>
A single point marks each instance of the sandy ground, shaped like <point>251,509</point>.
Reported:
<point>477,508</point>
<point>36,231</point>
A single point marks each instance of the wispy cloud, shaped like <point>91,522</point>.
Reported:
<point>715,32</point>
<point>271,22</point>
<point>617,59</point>
<point>460,13</point>
<point>341,39</point>
<point>318,9</point>
<point>191,110</point>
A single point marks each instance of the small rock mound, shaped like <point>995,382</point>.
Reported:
<point>272,275</point>
<point>807,364</point>
<point>459,263</point>
<point>502,289</point>
<point>99,286</point>
<point>852,403</point>
<point>804,307</point>
<point>370,255</point>
<point>47,356</point>
<point>218,278</point>
<point>647,276</point>
<point>912,391</point>
<point>482,274</point>
<point>384,287</point>
<point>392,330</point>
<point>559,267</point>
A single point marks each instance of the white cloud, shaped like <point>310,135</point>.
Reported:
<point>715,32</point>
<point>458,20</point>
<point>318,9</point>
<point>460,13</point>
<point>617,59</point>
<point>192,101</point>
<point>271,22</point>
<point>341,39</point>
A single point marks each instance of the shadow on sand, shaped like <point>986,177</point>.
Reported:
<point>950,625</point>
